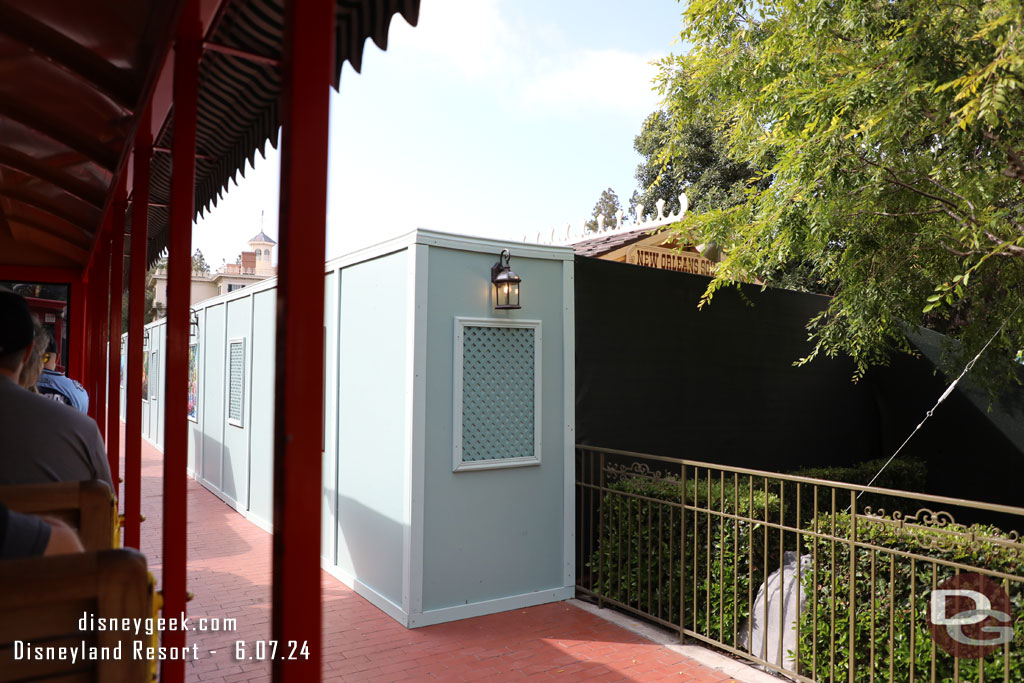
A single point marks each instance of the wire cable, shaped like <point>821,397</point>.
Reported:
<point>945,395</point>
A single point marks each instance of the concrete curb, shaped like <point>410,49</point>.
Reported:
<point>742,673</point>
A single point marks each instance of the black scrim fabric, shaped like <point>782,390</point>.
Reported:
<point>656,375</point>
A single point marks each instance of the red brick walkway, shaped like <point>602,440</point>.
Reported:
<point>229,572</point>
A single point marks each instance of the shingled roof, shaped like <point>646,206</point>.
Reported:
<point>598,246</point>
<point>263,237</point>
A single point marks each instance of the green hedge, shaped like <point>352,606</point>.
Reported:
<point>909,474</point>
<point>905,474</point>
<point>637,560</point>
<point>908,616</point>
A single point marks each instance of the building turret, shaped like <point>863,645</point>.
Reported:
<point>263,247</point>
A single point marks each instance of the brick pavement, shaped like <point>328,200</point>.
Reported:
<point>229,572</point>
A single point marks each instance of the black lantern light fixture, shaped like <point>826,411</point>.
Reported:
<point>193,323</point>
<point>506,282</point>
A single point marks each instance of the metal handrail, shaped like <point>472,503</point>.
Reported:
<point>685,544</point>
<point>945,500</point>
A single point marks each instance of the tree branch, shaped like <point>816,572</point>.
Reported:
<point>898,181</point>
<point>942,187</point>
<point>896,215</point>
<point>1012,248</point>
<point>974,252</point>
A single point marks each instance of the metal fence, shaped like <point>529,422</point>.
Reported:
<point>818,580</point>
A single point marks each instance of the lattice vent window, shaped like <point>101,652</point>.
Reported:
<point>154,370</point>
<point>497,393</point>
<point>236,381</point>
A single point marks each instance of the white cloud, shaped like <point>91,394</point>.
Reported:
<point>470,36</point>
<point>554,107</point>
<point>587,79</point>
<point>532,64</point>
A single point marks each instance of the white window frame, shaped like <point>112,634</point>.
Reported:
<point>458,465</point>
<point>232,421</point>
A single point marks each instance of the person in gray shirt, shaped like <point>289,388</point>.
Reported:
<point>40,440</point>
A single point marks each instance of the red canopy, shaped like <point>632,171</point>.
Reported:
<point>74,78</point>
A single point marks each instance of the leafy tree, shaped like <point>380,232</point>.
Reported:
<point>607,204</point>
<point>199,264</point>
<point>893,136</point>
<point>691,155</point>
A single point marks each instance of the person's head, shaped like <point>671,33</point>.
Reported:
<point>50,357</point>
<point>33,367</point>
<point>17,332</point>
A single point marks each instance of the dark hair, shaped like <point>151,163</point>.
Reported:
<point>17,329</point>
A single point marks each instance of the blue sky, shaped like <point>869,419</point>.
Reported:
<point>498,118</point>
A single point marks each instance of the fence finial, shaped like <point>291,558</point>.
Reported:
<point>638,222</point>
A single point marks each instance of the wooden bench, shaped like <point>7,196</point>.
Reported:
<point>87,506</point>
<point>42,603</point>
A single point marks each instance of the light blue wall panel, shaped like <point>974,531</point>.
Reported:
<point>261,430</point>
<point>154,350</point>
<point>487,534</point>
<point>491,533</point>
<point>213,395</point>
<point>371,422</point>
<point>329,497</point>
<point>235,473</point>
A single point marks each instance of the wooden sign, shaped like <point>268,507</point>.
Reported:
<point>670,259</point>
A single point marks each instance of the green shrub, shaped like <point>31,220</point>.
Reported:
<point>907,474</point>
<point>908,615</point>
<point>638,559</point>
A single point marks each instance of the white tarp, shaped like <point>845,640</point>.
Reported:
<point>780,593</point>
